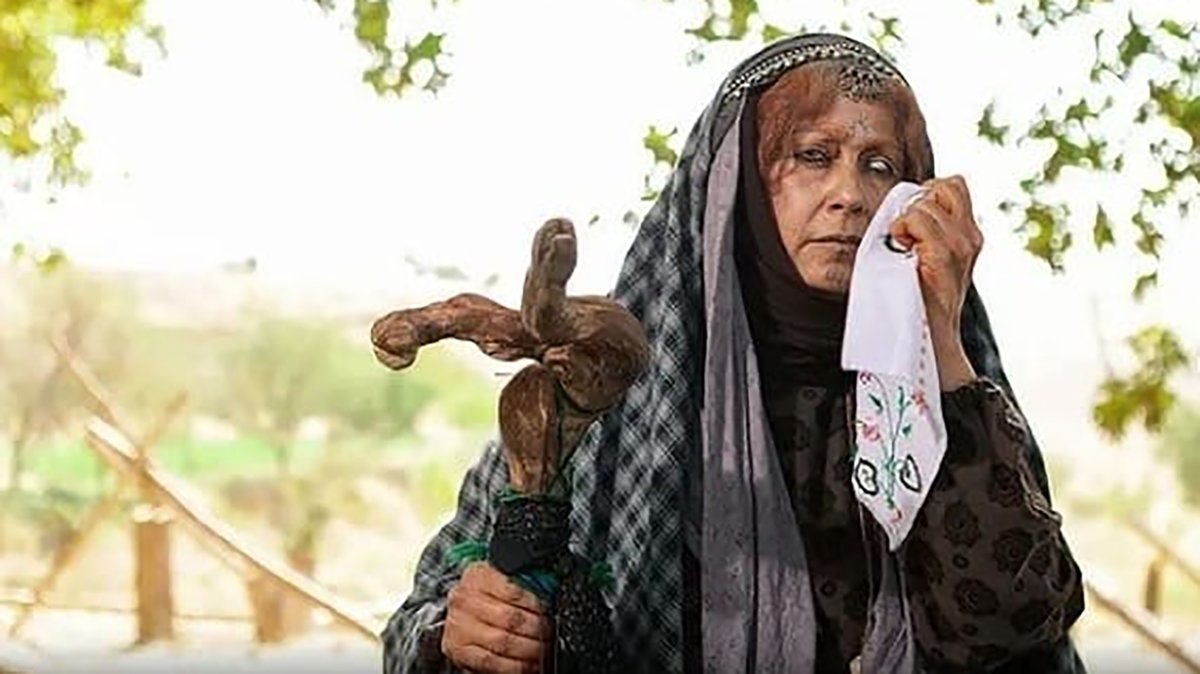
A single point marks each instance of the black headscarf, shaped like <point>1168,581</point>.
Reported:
<point>797,328</point>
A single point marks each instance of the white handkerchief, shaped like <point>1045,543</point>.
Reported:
<point>900,433</point>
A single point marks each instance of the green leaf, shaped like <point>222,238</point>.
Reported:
<point>1046,235</point>
<point>1134,44</point>
<point>884,33</point>
<point>771,32</point>
<point>371,23</point>
<point>52,261</point>
<point>737,21</point>
<point>1102,232</point>
<point>31,33</point>
<point>1143,394</point>
<point>659,145</point>
<point>1144,283</point>
<point>907,430</point>
<point>1150,240</point>
<point>1156,197</point>
<point>1179,109</point>
<point>1080,111</point>
<point>64,139</point>
<point>1176,29</point>
<point>988,128</point>
<point>739,17</point>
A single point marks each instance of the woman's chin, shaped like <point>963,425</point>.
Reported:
<point>831,279</point>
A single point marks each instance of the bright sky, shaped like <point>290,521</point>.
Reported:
<point>254,137</point>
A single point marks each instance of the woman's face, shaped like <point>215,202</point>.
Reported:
<point>827,184</point>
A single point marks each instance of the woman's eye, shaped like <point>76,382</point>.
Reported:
<point>812,156</point>
<point>881,166</point>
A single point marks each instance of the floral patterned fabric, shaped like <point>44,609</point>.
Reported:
<point>987,572</point>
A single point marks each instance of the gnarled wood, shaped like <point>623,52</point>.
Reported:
<point>589,351</point>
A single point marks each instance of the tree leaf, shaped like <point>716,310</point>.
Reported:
<point>1150,240</point>
<point>1102,233</point>
<point>1134,44</point>
<point>771,32</point>
<point>988,128</point>
<point>52,261</point>
<point>1144,283</point>
<point>30,35</point>
<point>1046,235</point>
<point>1144,394</point>
<point>659,144</point>
<point>1176,29</point>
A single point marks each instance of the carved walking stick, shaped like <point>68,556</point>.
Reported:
<point>588,352</point>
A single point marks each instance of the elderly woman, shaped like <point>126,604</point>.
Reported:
<point>720,490</point>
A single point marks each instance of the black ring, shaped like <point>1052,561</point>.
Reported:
<point>890,242</point>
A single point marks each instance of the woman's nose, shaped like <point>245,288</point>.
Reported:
<point>846,193</point>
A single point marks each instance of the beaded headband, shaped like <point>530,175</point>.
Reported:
<point>863,71</point>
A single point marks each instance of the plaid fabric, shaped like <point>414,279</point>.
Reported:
<point>630,499</point>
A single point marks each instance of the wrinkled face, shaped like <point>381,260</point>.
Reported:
<point>824,187</point>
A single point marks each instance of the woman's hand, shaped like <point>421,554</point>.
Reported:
<point>493,626</point>
<point>940,227</point>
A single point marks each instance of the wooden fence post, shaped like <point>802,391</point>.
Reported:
<point>154,600</point>
<point>1152,589</point>
<point>152,574</point>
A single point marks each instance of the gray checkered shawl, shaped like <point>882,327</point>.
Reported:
<point>636,485</point>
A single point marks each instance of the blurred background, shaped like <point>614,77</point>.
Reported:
<point>206,204</point>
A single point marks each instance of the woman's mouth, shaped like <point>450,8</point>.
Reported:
<point>839,240</point>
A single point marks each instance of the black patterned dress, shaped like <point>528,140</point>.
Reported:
<point>989,577</point>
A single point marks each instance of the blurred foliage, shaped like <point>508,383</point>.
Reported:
<point>30,33</point>
<point>395,67</point>
<point>276,372</point>
<point>1179,445</point>
<point>98,318</point>
<point>1142,79</point>
<point>665,155</point>
<point>1144,395</point>
<point>1115,503</point>
<point>266,380</point>
<point>1148,76</point>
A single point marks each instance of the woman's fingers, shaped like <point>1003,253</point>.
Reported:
<point>493,625</point>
